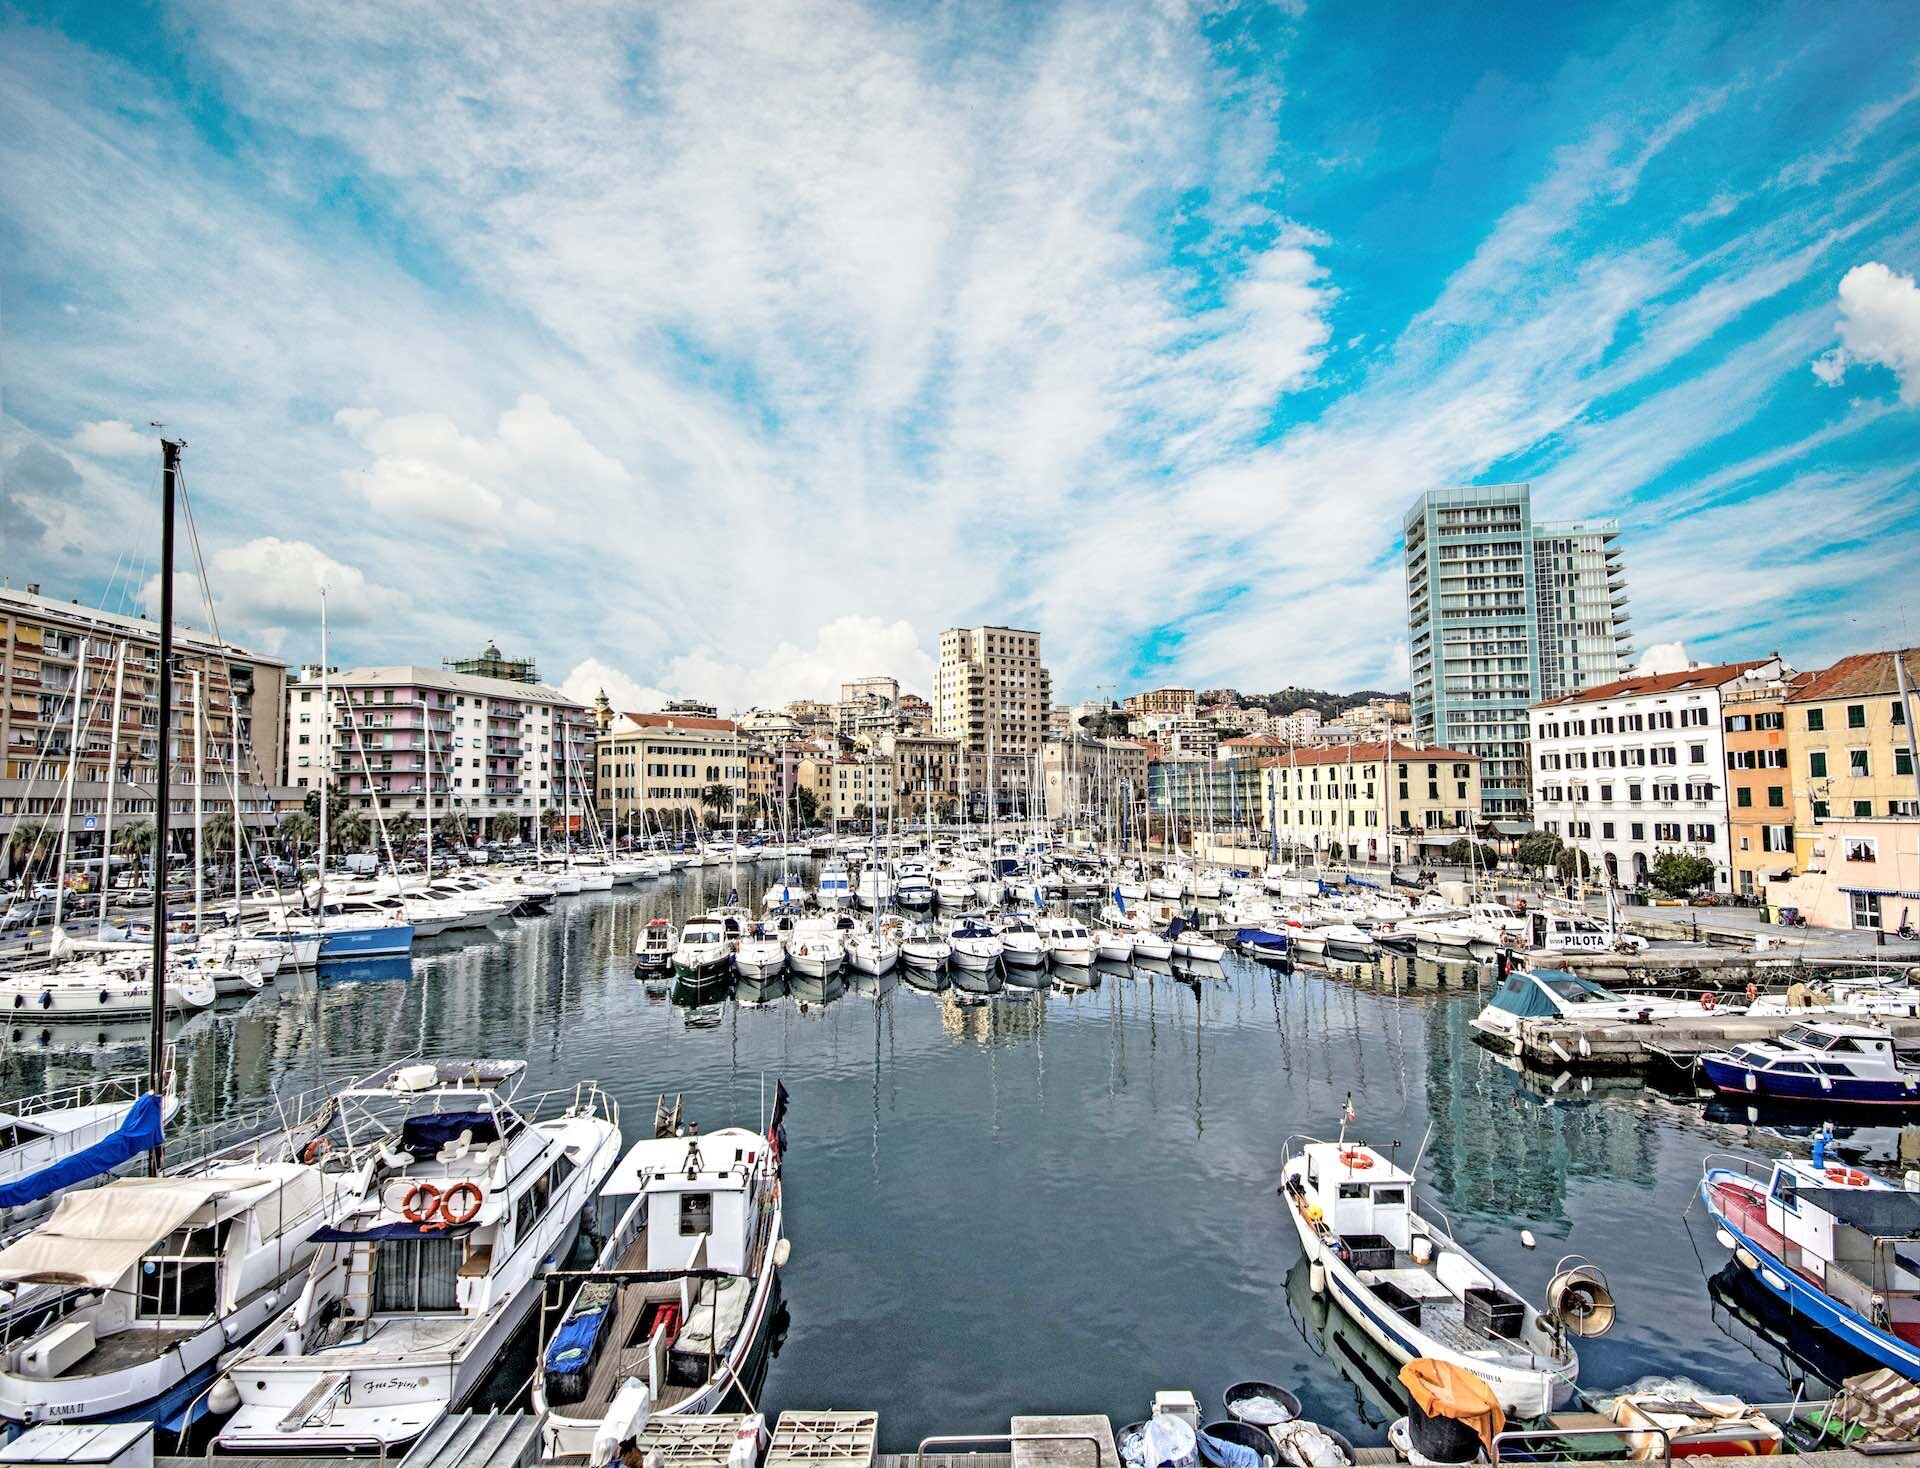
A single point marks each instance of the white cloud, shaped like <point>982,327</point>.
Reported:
<point>1664,657</point>
<point>1879,325</point>
<point>846,648</point>
<point>112,439</point>
<point>266,586</point>
<point>591,677</point>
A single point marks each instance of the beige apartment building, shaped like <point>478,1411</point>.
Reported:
<point>655,770</point>
<point>1167,702</point>
<point>1093,775</point>
<point>992,693</point>
<point>863,788</point>
<point>927,771</point>
<point>50,650</point>
<point>1374,808</point>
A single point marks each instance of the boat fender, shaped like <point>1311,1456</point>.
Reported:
<point>1707,1000</point>
<point>46,999</point>
<point>223,1397</point>
<point>1752,1085</point>
<point>421,1201</point>
<point>1317,1277</point>
<point>458,1215</point>
<point>1527,1239</point>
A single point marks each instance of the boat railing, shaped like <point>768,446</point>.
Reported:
<point>586,1098</point>
<point>238,1135</point>
<point>1010,1438</point>
<point>1745,1166</point>
<point>108,1090</point>
<point>1520,1435</point>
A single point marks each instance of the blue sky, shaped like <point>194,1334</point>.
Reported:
<point>729,350</point>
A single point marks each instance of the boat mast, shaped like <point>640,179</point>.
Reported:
<point>162,806</point>
<point>113,768</point>
<point>233,774</point>
<point>66,806</point>
<point>326,761</point>
<point>426,740</point>
<point>199,803</point>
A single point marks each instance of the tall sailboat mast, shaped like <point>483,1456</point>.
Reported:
<point>162,805</point>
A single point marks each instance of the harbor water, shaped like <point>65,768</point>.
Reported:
<point>1061,1202</point>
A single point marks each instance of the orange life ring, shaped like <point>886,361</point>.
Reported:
<point>1847,1175</point>
<point>1358,1161</point>
<point>461,1215</point>
<point>421,1202</point>
<point>318,1148</point>
<point>1753,992</point>
<point>1707,1000</point>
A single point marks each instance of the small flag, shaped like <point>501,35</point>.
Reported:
<point>1119,902</point>
<point>1347,1112</point>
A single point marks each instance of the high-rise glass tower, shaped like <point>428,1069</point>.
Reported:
<point>1501,613</point>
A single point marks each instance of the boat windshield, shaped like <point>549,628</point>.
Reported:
<point>1806,1036</point>
<point>1571,990</point>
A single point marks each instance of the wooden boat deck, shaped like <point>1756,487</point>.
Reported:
<point>129,1347</point>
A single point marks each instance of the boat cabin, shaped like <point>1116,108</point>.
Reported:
<point>1572,932</point>
<point>1824,1049</point>
<point>1368,1207</point>
<point>1855,1234</point>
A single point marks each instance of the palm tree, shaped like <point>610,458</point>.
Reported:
<point>349,831</point>
<point>717,798</point>
<point>503,828</point>
<point>216,836</point>
<point>32,842</point>
<point>401,831</point>
<point>135,838</point>
<point>298,829</point>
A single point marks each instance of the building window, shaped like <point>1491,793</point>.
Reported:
<point>1863,808</point>
<point>1857,763</point>
<point>1820,810</point>
<point>1816,719</point>
<point>1743,796</point>
<point>1856,716</point>
<point>1866,909</point>
<point>1817,764</point>
<point>1776,796</point>
<point>1861,848</point>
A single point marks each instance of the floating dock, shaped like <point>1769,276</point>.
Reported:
<point>1555,1045</point>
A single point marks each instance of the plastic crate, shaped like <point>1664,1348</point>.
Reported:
<point>1494,1312</point>
<point>1368,1251</point>
<point>1398,1300</point>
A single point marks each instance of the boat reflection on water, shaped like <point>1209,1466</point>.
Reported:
<point>928,979</point>
<point>873,986</point>
<point>811,992</point>
<point>754,993</point>
<point>1377,1395</point>
<point>1778,1337</point>
<point>392,968</point>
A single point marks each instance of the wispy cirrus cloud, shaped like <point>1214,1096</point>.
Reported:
<point>722,356</point>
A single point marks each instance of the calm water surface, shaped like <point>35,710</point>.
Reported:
<point>1061,1204</point>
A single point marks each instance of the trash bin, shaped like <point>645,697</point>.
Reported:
<point>1766,914</point>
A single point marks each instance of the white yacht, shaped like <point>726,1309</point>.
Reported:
<point>759,954</point>
<point>912,887</point>
<point>1067,941</point>
<point>872,949</point>
<point>921,946</point>
<point>1410,1286</point>
<point>677,1305</point>
<point>173,1274</point>
<point>1021,944</point>
<point>1113,945</point>
<point>976,946</point>
<point>462,1193</point>
<point>1544,993</point>
<point>704,951</point>
<point>97,990</point>
<point>815,948</point>
<point>38,1131</point>
<point>836,884</point>
<point>873,887</point>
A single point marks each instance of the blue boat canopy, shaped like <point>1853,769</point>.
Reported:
<point>142,1131</point>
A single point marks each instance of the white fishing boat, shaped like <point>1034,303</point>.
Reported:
<point>676,1308</point>
<point>461,1194</point>
<point>1409,1284</point>
<point>653,949</point>
<point>174,1274</point>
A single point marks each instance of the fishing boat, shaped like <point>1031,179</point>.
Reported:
<point>461,1194</point>
<point>173,1276</point>
<point>676,1307</point>
<point>704,951</point>
<point>1551,993</point>
<point>1833,1243</point>
<point>653,949</point>
<point>1410,1286</point>
<point>1830,1061</point>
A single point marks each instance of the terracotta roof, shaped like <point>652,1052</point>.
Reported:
<point>1340,754</point>
<point>1644,683</point>
<point>682,721</point>
<point>1859,675</point>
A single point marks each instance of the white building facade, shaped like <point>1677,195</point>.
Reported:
<point>1629,769</point>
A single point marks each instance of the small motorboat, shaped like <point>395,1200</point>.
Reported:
<point>653,950</point>
<point>1114,945</point>
<point>922,947</point>
<point>759,954</point>
<point>704,952</point>
<point>1021,944</point>
<point>1067,941</point>
<point>872,950</point>
<point>1189,942</point>
<point>1697,1424</point>
<point>976,946</point>
<point>1551,993</point>
<point>1830,1061</point>
<point>1266,945</point>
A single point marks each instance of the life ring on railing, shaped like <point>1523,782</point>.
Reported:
<point>1357,1160</point>
<point>1708,1001</point>
<point>421,1202</point>
<point>455,1215</point>
<point>1753,992</point>
<point>316,1150</point>
<point>1847,1176</point>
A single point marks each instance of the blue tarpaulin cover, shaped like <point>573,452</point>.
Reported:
<point>1261,938</point>
<point>1223,1454</point>
<point>426,1134</point>
<point>1175,928</point>
<point>571,1351</point>
<point>142,1131</point>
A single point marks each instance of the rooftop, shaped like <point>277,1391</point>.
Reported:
<point>1861,674</point>
<point>412,675</point>
<point>1643,684</point>
<point>688,722</point>
<point>1343,754</point>
<point>31,604</point>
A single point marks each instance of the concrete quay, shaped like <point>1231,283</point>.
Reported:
<point>1600,1045</point>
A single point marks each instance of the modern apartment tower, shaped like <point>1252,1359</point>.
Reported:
<point>992,694</point>
<point>1501,613</point>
